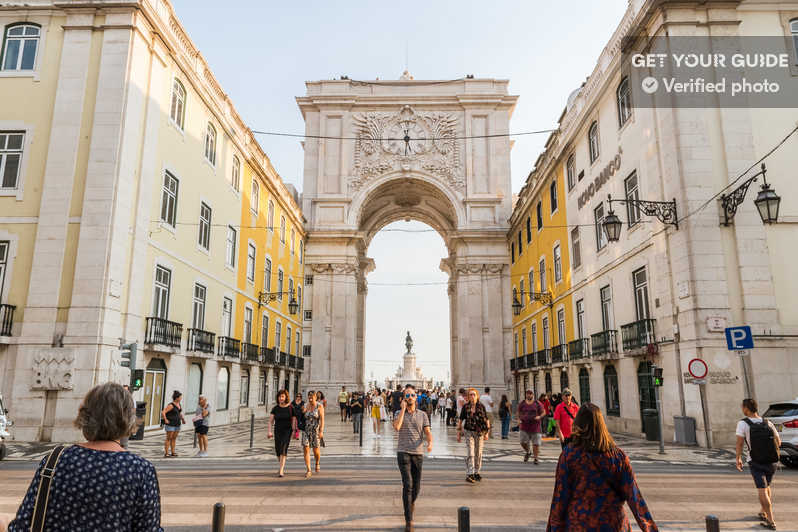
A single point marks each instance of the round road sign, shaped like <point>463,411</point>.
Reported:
<point>697,368</point>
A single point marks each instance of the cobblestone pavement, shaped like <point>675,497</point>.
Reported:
<point>232,441</point>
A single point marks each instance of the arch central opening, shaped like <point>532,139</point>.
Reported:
<point>407,291</point>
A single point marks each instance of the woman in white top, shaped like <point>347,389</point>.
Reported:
<point>376,404</point>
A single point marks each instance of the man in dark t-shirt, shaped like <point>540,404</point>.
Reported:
<point>396,400</point>
<point>530,413</point>
<point>356,407</point>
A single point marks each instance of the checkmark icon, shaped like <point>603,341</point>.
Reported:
<point>650,85</point>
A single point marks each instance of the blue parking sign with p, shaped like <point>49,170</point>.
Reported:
<point>739,338</point>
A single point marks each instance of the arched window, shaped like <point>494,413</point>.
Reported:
<point>210,144</point>
<point>235,178</point>
<point>244,388</point>
<point>611,393</point>
<point>593,141</point>
<point>570,170</point>
<point>794,31</point>
<point>564,380</point>
<point>21,45</point>
<point>194,387</point>
<point>282,229</point>
<point>222,388</point>
<point>178,110</point>
<point>645,386</point>
<point>548,382</point>
<point>584,385</point>
<point>624,96</point>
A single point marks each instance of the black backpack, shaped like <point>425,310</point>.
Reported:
<point>763,443</point>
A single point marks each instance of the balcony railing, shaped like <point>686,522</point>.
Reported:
<point>229,347</point>
<point>513,364</point>
<point>300,363</point>
<point>638,334</point>
<point>283,360</point>
<point>579,349</point>
<point>292,361</point>
<point>6,319</point>
<point>201,341</point>
<point>529,361</point>
<point>604,343</point>
<point>163,332</point>
<point>267,356</point>
<point>249,352</point>
<point>543,357</point>
<point>559,354</point>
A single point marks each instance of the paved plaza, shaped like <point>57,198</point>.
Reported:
<point>358,488</point>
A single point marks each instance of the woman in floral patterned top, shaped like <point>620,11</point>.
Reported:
<point>594,479</point>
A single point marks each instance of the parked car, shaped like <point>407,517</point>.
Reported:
<point>784,416</point>
<point>4,424</point>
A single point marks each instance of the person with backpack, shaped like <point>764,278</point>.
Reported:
<point>564,415</point>
<point>475,426</point>
<point>762,441</point>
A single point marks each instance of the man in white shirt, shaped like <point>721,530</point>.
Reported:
<point>763,456</point>
<point>487,402</point>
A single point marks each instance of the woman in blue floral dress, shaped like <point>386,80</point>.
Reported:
<point>594,480</point>
<point>313,432</point>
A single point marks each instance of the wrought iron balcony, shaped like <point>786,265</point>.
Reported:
<point>267,356</point>
<point>201,341</point>
<point>638,334</point>
<point>559,354</point>
<point>513,364</point>
<point>529,361</point>
<point>283,360</point>
<point>6,319</point>
<point>604,343</point>
<point>300,363</point>
<point>229,347</point>
<point>579,349</point>
<point>543,357</point>
<point>249,352</point>
<point>292,361</point>
<point>163,332</point>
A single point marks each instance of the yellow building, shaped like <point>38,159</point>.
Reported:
<point>126,188</point>
<point>543,323</point>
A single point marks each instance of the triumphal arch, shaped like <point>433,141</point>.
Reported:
<point>381,151</point>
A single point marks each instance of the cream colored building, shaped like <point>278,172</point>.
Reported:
<point>663,294</point>
<point>129,212</point>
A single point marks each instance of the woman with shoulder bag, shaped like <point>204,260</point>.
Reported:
<point>172,417</point>
<point>475,424</point>
<point>283,420</point>
<point>124,492</point>
<point>202,422</point>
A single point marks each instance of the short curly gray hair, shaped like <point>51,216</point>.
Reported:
<point>107,413</point>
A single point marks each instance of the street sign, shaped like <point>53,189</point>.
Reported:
<point>738,338</point>
<point>697,368</point>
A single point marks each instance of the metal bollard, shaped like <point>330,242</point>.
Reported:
<point>251,429</point>
<point>463,519</point>
<point>713,524</point>
<point>360,430</point>
<point>218,517</point>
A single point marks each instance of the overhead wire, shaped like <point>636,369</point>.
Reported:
<point>378,139</point>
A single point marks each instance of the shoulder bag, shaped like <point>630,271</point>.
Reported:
<point>43,493</point>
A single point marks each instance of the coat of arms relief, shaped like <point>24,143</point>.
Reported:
<point>407,140</point>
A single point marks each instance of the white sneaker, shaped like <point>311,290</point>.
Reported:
<point>204,454</point>
<point>199,453</point>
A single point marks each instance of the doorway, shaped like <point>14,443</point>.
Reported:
<point>154,380</point>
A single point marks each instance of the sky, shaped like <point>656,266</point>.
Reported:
<point>262,52</point>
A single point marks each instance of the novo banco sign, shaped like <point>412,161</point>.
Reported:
<point>606,173</point>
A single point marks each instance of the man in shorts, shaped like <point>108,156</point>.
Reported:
<point>530,414</point>
<point>343,399</point>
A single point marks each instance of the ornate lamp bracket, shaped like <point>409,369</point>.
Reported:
<point>730,202</point>
<point>664,211</point>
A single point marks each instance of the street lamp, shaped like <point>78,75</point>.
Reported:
<point>612,225</point>
<point>293,306</point>
<point>543,297</point>
<point>664,211</point>
<point>265,298</point>
<point>767,201</point>
<point>517,305</point>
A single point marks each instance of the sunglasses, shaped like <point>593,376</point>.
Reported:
<point>409,395</point>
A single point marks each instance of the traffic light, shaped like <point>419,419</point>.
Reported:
<point>657,375</point>
<point>136,379</point>
<point>128,356</point>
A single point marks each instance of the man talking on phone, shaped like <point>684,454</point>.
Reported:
<point>412,425</point>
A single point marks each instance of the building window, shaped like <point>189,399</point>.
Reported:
<point>539,210</point>
<point>632,211</point>
<point>553,195</point>
<point>515,344</point>
<point>794,32</point>
<point>523,341</point>
<point>163,280</point>
<point>267,275</point>
<point>512,252</point>
<point>547,381</point>
<point>542,274</point>
<point>222,388</point>
<point>584,385</point>
<point>528,229</point>
<point>624,95</point>
<point>561,326</point>
<point>270,217</point>
<point>282,229</point>
<point>570,170</point>
<point>11,143</point>
<point>199,306</point>
<point>564,380</point>
<point>247,325</point>
<point>640,282</point>
<point>593,142</point>
<point>523,296</point>
<point>301,251</point>
<point>291,286</point>
<point>288,339</point>
<point>611,391</point>
<point>531,278</point>
<point>253,199</point>
<point>230,254</point>
<point>280,284</point>
<point>293,239</point>
<point>601,236</point>
<point>278,332</point>
<point>251,252</point>
<point>308,280</point>
<point>515,294</point>
<point>299,297</point>
<point>169,199</point>
<point>4,245</point>
<point>580,318</point>
<point>194,388</point>
<point>298,343</point>
<point>264,330</point>
<point>235,177</point>
<point>262,392</point>
<point>21,44</point>
<point>520,243</point>
<point>546,338</point>
<point>606,308</point>
<point>178,109</point>
<point>557,264</point>
<point>576,249</point>
<point>227,316</point>
<point>205,227</point>
<point>210,144</point>
<point>534,337</point>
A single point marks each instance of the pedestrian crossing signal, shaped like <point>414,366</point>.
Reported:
<point>657,376</point>
<point>137,379</point>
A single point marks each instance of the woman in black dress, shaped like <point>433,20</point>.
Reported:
<point>282,423</point>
